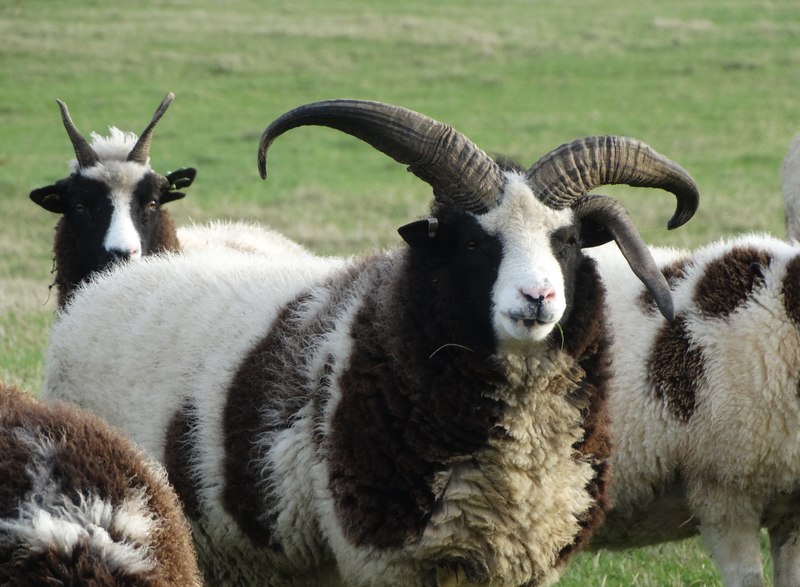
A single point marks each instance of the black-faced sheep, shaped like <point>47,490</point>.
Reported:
<point>110,203</point>
<point>706,408</point>
<point>111,209</point>
<point>429,415</point>
<point>80,505</point>
<point>790,183</point>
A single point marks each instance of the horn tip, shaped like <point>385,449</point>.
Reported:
<point>667,309</point>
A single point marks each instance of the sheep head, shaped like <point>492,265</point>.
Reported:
<point>110,203</point>
<point>541,217</point>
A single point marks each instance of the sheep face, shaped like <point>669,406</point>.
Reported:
<point>513,264</point>
<point>540,248</point>
<point>111,211</point>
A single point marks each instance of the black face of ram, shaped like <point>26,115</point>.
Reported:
<point>460,261</point>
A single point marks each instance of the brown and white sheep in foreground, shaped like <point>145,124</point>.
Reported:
<point>81,505</point>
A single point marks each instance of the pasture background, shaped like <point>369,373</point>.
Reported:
<point>713,85</point>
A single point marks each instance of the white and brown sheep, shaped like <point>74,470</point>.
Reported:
<point>428,415</point>
<point>706,408</point>
<point>81,505</point>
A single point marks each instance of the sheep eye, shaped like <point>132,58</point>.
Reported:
<point>79,208</point>
<point>152,205</point>
<point>472,245</point>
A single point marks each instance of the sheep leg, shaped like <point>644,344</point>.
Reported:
<point>735,550</point>
<point>784,539</point>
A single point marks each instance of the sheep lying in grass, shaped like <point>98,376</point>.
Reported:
<point>790,182</point>
<point>706,408</point>
<point>111,208</point>
<point>430,415</point>
<point>80,505</point>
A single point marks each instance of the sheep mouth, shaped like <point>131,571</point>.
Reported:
<point>527,321</point>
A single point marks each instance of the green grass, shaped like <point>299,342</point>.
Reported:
<point>713,85</point>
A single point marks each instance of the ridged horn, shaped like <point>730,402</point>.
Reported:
<point>141,150</point>
<point>458,170</point>
<point>84,152</point>
<point>609,214</point>
<point>572,170</point>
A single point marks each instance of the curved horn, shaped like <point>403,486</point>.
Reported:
<point>84,152</point>
<point>609,214</point>
<point>141,150</point>
<point>458,171</point>
<point>574,169</point>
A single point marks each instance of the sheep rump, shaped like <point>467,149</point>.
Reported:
<point>79,504</point>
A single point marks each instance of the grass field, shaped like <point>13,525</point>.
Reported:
<point>713,85</point>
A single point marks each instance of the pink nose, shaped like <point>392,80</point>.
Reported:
<point>537,294</point>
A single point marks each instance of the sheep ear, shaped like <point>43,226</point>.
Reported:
<point>181,178</point>
<point>50,198</point>
<point>420,233</point>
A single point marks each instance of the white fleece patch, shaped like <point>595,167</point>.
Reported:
<point>49,519</point>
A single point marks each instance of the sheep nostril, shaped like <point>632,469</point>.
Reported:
<point>537,296</point>
<point>122,255</point>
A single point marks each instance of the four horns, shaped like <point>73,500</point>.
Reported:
<point>462,174</point>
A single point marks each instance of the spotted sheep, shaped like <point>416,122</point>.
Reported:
<point>111,208</point>
<point>80,505</point>
<point>426,415</point>
<point>705,408</point>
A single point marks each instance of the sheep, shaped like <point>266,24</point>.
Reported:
<point>790,183</point>
<point>110,204</point>
<point>704,409</point>
<point>111,208</point>
<point>80,505</point>
<point>425,415</point>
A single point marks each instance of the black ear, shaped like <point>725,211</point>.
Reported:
<point>51,198</point>
<point>178,179</point>
<point>420,233</point>
<point>594,234</point>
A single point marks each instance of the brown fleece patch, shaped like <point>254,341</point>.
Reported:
<point>405,411</point>
<point>166,238</point>
<point>51,567</point>
<point>65,256</point>
<point>729,281</point>
<point>675,368</point>
<point>587,340</point>
<point>791,290</point>
<point>674,272</point>
<point>14,481</point>
<point>272,380</point>
<point>91,458</point>
<point>177,459</point>
<point>247,397</point>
